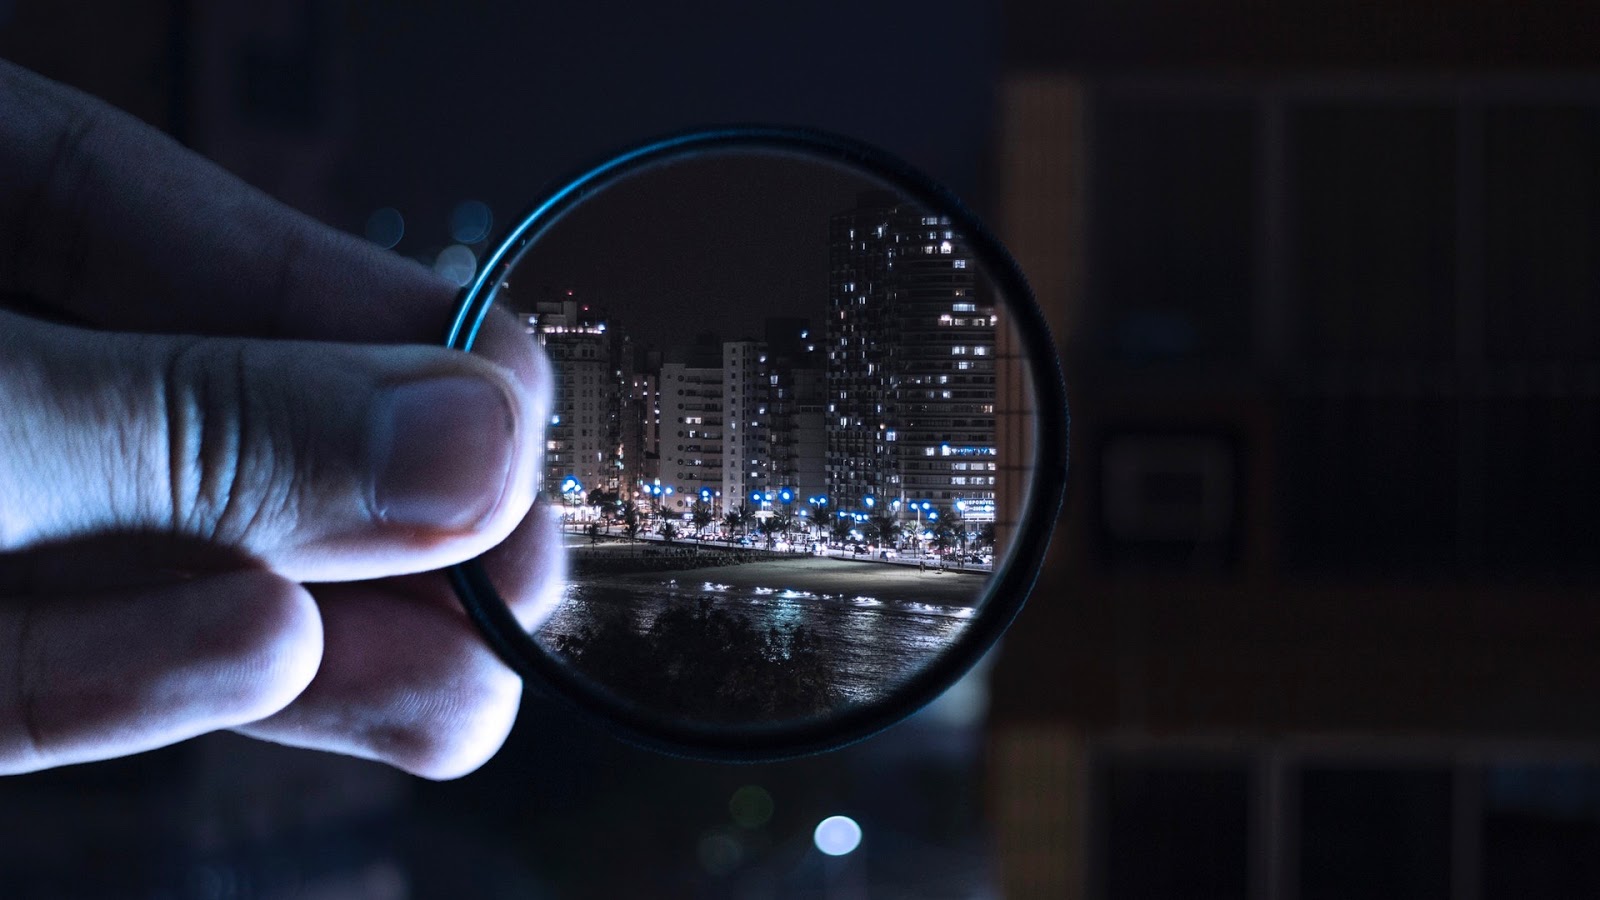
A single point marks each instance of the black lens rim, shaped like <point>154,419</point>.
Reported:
<point>1014,576</point>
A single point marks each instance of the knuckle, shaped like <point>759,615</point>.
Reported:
<point>231,453</point>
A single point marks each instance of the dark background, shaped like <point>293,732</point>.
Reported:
<point>1320,617</point>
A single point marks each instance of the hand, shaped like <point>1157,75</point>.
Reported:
<point>227,470</point>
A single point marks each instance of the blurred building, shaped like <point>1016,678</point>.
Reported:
<point>1317,621</point>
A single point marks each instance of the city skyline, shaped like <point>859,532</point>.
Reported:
<point>884,406</point>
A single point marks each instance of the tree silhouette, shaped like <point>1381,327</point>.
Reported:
<point>632,520</point>
<point>986,535</point>
<point>741,517</point>
<point>841,529</point>
<point>709,664</point>
<point>701,515</point>
<point>667,530</point>
<point>884,529</point>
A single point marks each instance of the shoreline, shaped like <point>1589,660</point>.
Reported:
<point>823,575</point>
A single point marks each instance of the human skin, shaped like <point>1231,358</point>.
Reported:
<point>231,465</point>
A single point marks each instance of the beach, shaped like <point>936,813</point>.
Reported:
<point>822,575</point>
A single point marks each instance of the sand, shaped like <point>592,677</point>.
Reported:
<point>821,575</point>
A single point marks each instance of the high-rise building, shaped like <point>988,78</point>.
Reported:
<point>774,393</point>
<point>692,422</point>
<point>746,456</point>
<point>582,438</point>
<point>639,369</point>
<point>796,398</point>
<point>911,379</point>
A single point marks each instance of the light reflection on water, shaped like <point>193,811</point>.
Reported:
<point>876,644</point>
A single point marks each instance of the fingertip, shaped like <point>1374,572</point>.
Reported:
<point>530,567</point>
<point>466,732</point>
<point>273,643</point>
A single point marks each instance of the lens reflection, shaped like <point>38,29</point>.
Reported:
<point>786,456</point>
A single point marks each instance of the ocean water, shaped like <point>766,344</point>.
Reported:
<point>873,644</point>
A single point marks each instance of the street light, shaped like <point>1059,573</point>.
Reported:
<point>920,508</point>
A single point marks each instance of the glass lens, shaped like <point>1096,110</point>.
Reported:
<point>792,436</point>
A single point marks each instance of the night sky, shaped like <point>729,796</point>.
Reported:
<point>496,102</point>
<point>716,243</point>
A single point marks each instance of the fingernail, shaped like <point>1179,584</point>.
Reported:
<point>442,451</point>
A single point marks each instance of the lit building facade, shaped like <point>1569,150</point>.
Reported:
<point>582,438</point>
<point>746,456</point>
<point>910,360</point>
<point>692,424</point>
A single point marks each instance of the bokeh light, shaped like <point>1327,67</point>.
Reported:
<point>386,227</point>
<point>719,853</point>
<point>751,806</point>
<point>457,264</point>
<point>837,835</point>
<point>470,222</point>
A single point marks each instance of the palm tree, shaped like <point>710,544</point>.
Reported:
<point>632,520</point>
<point>668,531</point>
<point>701,515</point>
<point>884,530</point>
<point>745,517</point>
<point>731,520</point>
<point>841,529</point>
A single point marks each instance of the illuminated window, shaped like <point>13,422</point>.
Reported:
<point>960,264</point>
<point>963,307</point>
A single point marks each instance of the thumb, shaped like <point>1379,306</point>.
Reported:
<point>326,462</point>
